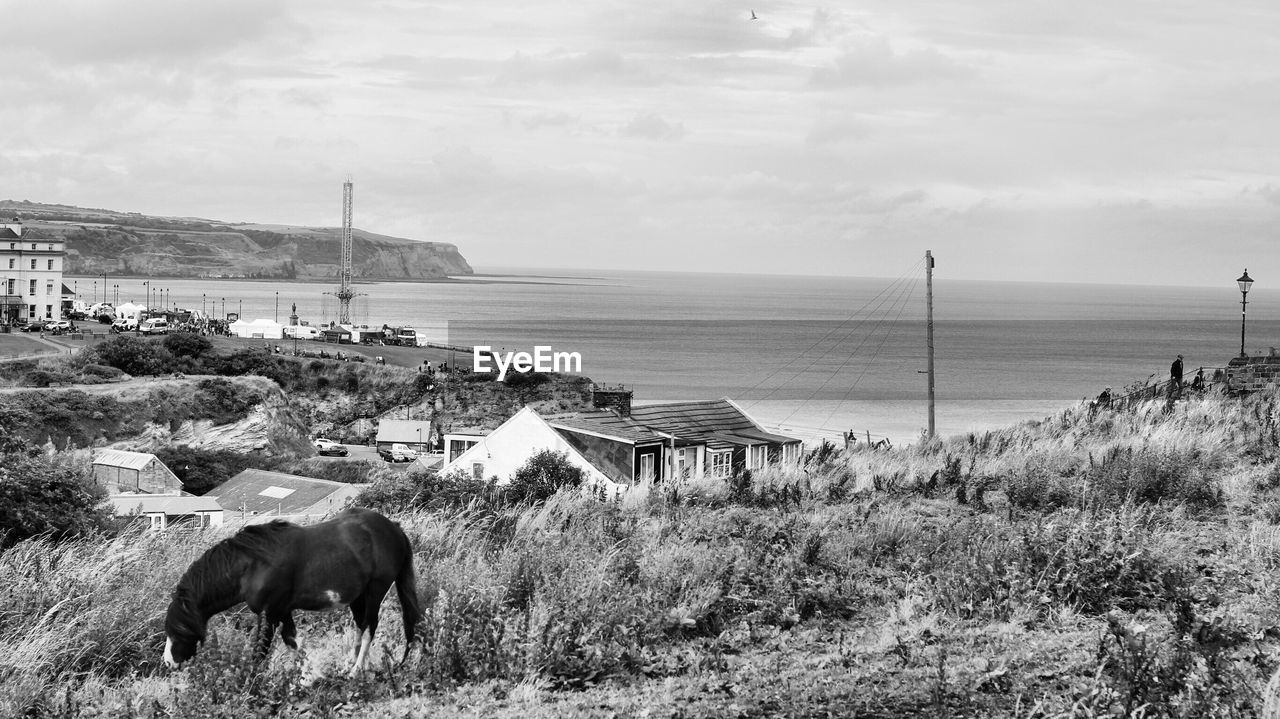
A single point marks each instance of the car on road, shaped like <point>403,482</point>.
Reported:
<point>324,443</point>
<point>154,326</point>
<point>34,326</point>
<point>58,326</point>
<point>398,453</point>
<point>332,450</point>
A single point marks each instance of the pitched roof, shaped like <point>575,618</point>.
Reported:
<point>404,430</point>
<point>124,459</point>
<point>509,446</point>
<point>8,234</point>
<point>258,491</point>
<point>606,424</point>
<point>171,504</point>
<point>717,420</point>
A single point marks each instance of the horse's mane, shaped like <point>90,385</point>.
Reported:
<point>209,577</point>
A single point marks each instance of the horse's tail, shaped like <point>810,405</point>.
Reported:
<point>407,590</point>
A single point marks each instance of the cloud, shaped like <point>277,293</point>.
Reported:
<point>874,63</point>
<point>650,126</point>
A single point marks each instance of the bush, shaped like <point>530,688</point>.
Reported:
<point>101,371</point>
<point>132,355</point>
<point>187,344</point>
<point>224,402</point>
<point>544,474</point>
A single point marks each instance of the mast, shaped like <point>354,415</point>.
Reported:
<point>928,268</point>
<point>345,293</point>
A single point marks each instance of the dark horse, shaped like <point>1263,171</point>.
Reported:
<point>275,568</point>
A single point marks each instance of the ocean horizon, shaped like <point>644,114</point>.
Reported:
<point>812,356</point>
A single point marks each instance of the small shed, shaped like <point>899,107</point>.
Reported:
<point>121,472</point>
<point>414,433</point>
<point>259,493</point>
<point>162,511</point>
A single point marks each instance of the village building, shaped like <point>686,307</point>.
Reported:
<point>622,449</point>
<point>120,472</point>
<point>30,275</point>
<point>257,494</point>
<point>716,437</point>
<point>504,450</point>
<point>164,511</point>
<point>413,433</point>
<point>460,440</point>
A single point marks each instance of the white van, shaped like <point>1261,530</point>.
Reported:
<point>155,326</point>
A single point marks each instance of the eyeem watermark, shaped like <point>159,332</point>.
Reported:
<point>543,359</point>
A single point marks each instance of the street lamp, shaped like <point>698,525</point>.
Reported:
<point>146,287</point>
<point>277,306</point>
<point>1245,283</point>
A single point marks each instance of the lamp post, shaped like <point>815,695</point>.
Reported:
<point>1245,282</point>
<point>277,306</point>
<point>224,308</point>
<point>146,287</point>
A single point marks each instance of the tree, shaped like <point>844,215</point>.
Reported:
<point>133,355</point>
<point>544,474</point>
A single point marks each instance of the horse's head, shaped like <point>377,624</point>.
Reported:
<point>184,629</point>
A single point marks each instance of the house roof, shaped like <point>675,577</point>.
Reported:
<point>123,459</point>
<point>511,444</point>
<point>404,430</point>
<point>8,234</point>
<point>713,421</point>
<point>258,491</point>
<point>606,424</point>
<point>170,504</point>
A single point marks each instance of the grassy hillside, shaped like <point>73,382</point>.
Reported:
<point>1097,563</point>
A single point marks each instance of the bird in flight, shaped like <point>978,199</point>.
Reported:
<point>753,15</point>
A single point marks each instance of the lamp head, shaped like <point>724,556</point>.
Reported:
<point>1245,282</point>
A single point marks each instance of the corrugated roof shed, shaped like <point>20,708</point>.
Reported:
<point>122,458</point>
<point>126,504</point>
<point>258,491</point>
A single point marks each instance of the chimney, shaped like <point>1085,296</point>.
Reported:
<point>616,399</point>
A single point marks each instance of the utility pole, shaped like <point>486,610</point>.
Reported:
<point>928,268</point>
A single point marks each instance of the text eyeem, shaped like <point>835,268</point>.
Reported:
<point>543,359</point>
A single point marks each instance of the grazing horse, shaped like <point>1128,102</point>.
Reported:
<point>348,561</point>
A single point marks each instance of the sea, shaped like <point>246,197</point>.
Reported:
<point>809,356</point>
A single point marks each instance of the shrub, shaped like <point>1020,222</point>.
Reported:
<point>543,475</point>
<point>41,496</point>
<point>224,402</point>
<point>101,371</point>
<point>132,355</point>
<point>187,344</point>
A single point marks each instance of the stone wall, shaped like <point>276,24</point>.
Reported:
<point>1252,374</point>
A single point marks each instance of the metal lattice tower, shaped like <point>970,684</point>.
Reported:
<point>345,292</point>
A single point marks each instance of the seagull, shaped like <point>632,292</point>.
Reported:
<point>753,15</point>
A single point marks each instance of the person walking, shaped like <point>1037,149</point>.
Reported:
<point>1175,377</point>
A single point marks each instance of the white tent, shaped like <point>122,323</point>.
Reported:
<point>257,329</point>
<point>129,310</point>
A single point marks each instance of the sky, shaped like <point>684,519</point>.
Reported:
<point>1129,141</point>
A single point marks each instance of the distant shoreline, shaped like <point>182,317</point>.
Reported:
<point>479,279</point>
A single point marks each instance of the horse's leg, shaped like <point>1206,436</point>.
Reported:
<point>373,595</point>
<point>357,634</point>
<point>289,631</point>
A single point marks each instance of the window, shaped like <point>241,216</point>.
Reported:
<point>204,519</point>
<point>722,463</point>
<point>51,250</point>
<point>33,263</point>
<point>646,467</point>
<point>12,263</point>
<point>33,294</point>
<point>759,456</point>
<point>33,245</point>
<point>791,453</point>
<point>51,264</point>
<point>11,289</point>
<point>48,287</point>
<point>157,521</point>
<point>48,312</point>
<point>684,462</point>
<point>477,470</point>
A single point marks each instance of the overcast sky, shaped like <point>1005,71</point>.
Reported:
<point>1031,139</point>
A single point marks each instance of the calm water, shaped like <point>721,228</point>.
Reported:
<point>816,354</point>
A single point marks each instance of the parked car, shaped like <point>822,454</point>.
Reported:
<point>324,443</point>
<point>398,453</point>
<point>34,326</point>
<point>58,327</point>
<point>332,450</point>
<point>124,324</point>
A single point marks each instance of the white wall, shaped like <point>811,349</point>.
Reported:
<point>508,447</point>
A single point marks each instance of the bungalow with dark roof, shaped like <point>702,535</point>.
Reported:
<point>716,437</point>
<point>162,511</point>
<point>257,494</point>
<point>623,449</point>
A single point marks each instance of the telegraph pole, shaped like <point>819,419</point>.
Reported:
<point>928,268</point>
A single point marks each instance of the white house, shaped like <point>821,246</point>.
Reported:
<point>507,448</point>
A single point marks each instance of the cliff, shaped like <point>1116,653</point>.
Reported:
<point>120,243</point>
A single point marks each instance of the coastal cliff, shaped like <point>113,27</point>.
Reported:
<point>119,243</point>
